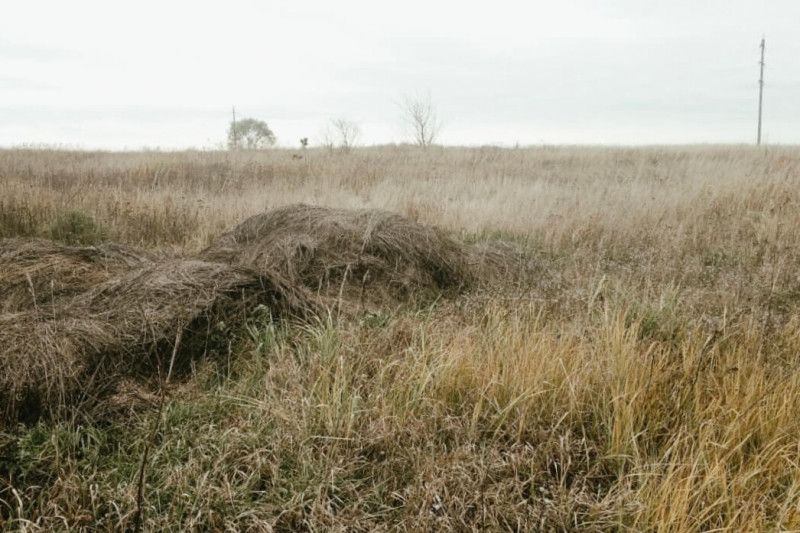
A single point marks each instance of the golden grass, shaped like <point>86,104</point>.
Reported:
<point>647,379</point>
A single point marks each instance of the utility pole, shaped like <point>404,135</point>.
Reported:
<point>760,91</point>
<point>236,141</point>
<point>232,148</point>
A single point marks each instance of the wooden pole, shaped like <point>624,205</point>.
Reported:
<point>760,92</point>
<point>235,140</point>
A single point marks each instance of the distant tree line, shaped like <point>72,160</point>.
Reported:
<point>420,120</point>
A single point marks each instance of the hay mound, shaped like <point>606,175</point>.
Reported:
<point>76,350</point>
<point>75,322</point>
<point>36,273</point>
<point>355,256</point>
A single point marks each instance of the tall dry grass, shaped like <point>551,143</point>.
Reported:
<point>647,379</point>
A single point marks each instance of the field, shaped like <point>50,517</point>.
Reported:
<point>638,370</point>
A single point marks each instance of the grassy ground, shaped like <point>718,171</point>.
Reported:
<point>647,380</point>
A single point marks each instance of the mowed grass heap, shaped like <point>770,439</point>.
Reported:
<point>81,319</point>
<point>641,374</point>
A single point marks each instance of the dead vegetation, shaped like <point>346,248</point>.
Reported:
<point>37,272</point>
<point>640,375</point>
<point>77,320</point>
<point>361,257</point>
<point>75,350</point>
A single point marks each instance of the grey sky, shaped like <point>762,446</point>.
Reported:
<point>147,73</point>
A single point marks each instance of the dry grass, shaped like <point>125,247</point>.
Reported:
<point>646,378</point>
<point>38,272</point>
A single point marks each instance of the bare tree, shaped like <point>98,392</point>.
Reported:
<point>347,132</point>
<point>342,133</point>
<point>421,119</point>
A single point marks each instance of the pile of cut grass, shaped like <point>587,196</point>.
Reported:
<point>77,321</point>
<point>37,272</point>
<point>74,352</point>
<point>364,257</point>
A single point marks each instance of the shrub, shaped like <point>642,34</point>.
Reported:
<point>76,227</point>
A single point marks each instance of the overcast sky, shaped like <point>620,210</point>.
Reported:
<point>165,74</point>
